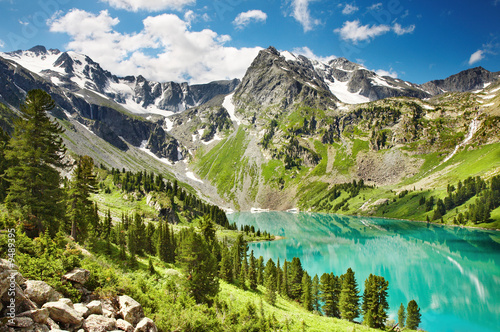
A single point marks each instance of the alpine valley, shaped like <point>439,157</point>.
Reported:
<point>293,133</point>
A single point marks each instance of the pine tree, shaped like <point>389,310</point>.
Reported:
<point>34,152</point>
<point>375,303</point>
<point>260,271</point>
<point>413,315</point>
<point>284,282</point>
<point>315,293</point>
<point>4,165</point>
<point>252,272</point>
<point>243,274</point>
<point>140,233</point>
<point>306,297</point>
<point>296,272</point>
<point>226,268</point>
<point>106,231</point>
<point>349,298</point>
<point>401,316</point>
<point>81,208</point>
<point>270,282</point>
<point>330,292</point>
<point>279,276</point>
<point>199,266</point>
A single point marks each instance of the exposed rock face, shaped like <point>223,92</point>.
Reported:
<point>78,275</point>
<point>467,80</point>
<point>163,145</point>
<point>40,292</point>
<point>130,309</point>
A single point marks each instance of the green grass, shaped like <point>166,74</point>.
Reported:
<point>286,310</point>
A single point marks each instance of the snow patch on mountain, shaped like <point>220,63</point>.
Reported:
<point>230,108</point>
<point>341,91</point>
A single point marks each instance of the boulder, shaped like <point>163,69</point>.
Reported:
<point>80,276</point>
<point>82,309</point>
<point>108,313</point>
<point>146,325</point>
<point>40,292</point>
<point>130,309</point>
<point>66,301</point>
<point>5,265</point>
<point>96,323</point>
<point>38,315</point>
<point>21,322</point>
<point>124,325</point>
<point>95,307</point>
<point>23,303</point>
<point>63,313</point>
<point>53,325</point>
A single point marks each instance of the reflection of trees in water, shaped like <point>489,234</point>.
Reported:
<point>448,270</point>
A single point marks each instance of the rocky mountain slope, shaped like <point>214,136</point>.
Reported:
<point>291,126</point>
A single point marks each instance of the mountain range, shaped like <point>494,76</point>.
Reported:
<point>291,127</point>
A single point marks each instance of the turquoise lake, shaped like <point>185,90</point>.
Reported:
<point>453,273</point>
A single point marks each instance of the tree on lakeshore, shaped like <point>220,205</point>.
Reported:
<point>330,288</point>
<point>315,293</point>
<point>413,315</point>
<point>34,153</point>
<point>252,272</point>
<point>349,298</point>
<point>375,303</point>
<point>295,285</point>
<point>306,297</point>
<point>401,316</point>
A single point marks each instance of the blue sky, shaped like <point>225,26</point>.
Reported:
<point>200,40</point>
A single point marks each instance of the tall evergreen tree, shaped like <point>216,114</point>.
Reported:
<point>284,283</point>
<point>413,316</point>
<point>34,152</point>
<point>252,272</point>
<point>330,292</point>
<point>295,285</point>
<point>306,297</point>
<point>199,266</point>
<point>4,165</point>
<point>401,316</point>
<point>260,271</point>
<point>81,208</point>
<point>375,303</point>
<point>349,298</point>
<point>226,267</point>
<point>315,293</point>
<point>140,233</point>
<point>270,282</point>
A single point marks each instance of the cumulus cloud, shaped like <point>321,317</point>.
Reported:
<point>392,73</point>
<point>302,14</point>
<point>476,57</point>
<point>355,32</point>
<point>349,9</point>
<point>308,53</point>
<point>243,19</point>
<point>180,54</point>
<point>399,30</point>
<point>149,5</point>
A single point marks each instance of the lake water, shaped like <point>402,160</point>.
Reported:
<point>453,273</point>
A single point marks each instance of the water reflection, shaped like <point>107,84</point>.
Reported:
<point>453,273</point>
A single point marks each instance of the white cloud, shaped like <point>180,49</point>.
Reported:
<point>308,53</point>
<point>180,54</point>
<point>355,32</point>
<point>399,30</point>
<point>189,16</point>
<point>302,14</point>
<point>349,9</point>
<point>23,22</point>
<point>2,44</point>
<point>476,57</point>
<point>392,73</point>
<point>243,19</point>
<point>149,5</point>
<point>376,6</point>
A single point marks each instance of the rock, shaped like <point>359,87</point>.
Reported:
<point>146,325</point>
<point>124,325</point>
<point>58,330</point>
<point>108,313</point>
<point>63,313</point>
<point>95,307</point>
<point>38,315</point>
<point>53,325</point>
<point>5,265</point>
<point>77,275</point>
<point>40,292</point>
<point>82,309</point>
<point>21,322</point>
<point>41,328</point>
<point>96,323</point>
<point>130,309</point>
<point>23,303</point>
<point>66,301</point>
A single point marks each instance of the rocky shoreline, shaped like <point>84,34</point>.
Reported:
<point>34,306</point>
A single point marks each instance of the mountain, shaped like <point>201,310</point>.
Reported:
<point>291,129</point>
<point>76,72</point>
